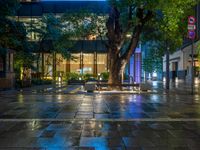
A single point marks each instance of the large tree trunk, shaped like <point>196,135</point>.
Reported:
<point>116,39</point>
<point>116,68</point>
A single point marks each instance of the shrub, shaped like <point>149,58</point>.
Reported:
<point>72,76</point>
<point>35,81</point>
<point>88,76</point>
<point>104,75</point>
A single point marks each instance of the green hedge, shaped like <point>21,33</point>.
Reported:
<point>104,75</point>
<point>41,81</point>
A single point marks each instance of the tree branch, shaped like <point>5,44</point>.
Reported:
<point>110,24</point>
<point>114,28</point>
<point>101,37</point>
<point>136,33</point>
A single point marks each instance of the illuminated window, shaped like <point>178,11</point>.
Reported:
<point>60,63</point>
<point>88,63</point>
<point>75,64</point>
<point>30,23</point>
<point>48,65</point>
<point>101,63</point>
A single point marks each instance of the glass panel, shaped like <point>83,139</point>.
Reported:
<point>48,60</point>
<point>11,62</point>
<point>1,63</point>
<point>101,63</point>
<point>7,62</point>
<point>75,64</point>
<point>30,23</point>
<point>88,63</point>
<point>60,65</point>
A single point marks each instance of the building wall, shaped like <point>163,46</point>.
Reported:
<point>7,75</point>
<point>183,59</point>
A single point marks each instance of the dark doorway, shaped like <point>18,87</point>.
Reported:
<point>174,70</point>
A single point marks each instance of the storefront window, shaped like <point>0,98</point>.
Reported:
<point>75,64</point>
<point>60,63</point>
<point>101,63</point>
<point>88,63</point>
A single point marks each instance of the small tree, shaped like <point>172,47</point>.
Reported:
<point>172,27</point>
<point>152,61</point>
<point>11,32</point>
<point>13,35</point>
<point>61,33</point>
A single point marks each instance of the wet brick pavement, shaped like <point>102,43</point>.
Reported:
<point>95,121</point>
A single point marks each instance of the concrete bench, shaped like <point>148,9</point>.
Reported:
<point>101,85</point>
<point>90,86</point>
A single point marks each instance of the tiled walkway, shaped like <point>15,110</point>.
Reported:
<point>99,106</point>
<point>100,135</point>
<point>93,121</point>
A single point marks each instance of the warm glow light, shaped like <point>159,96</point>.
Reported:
<point>21,73</point>
<point>128,35</point>
<point>59,79</point>
<point>48,78</point>
<point>92,37</point>
<point>196,80</point>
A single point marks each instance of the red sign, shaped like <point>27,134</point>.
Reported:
<point>191,27</point>
<point>191,20</point>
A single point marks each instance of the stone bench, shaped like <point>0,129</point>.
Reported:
<point>90,86</point>
<point>101,85</point>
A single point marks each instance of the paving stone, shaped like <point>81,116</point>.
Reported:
<point>99,121</point>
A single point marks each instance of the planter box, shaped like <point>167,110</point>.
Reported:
<point>76,82</point>
<point>5,83</point>
<point>90,86</point>
<point>26,83</point>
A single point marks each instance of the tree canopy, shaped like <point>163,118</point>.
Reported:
<point>131,20</point>
<point>12,33</point>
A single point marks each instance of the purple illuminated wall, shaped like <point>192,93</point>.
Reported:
<point>137,70</point>
<point>135,66</point>
<point>131,66</point>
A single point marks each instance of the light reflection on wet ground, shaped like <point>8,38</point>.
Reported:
<point>100,135</point>
<point>152,121</point>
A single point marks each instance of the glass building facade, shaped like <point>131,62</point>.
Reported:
<point>90,54</point>
<point>84,63</point>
